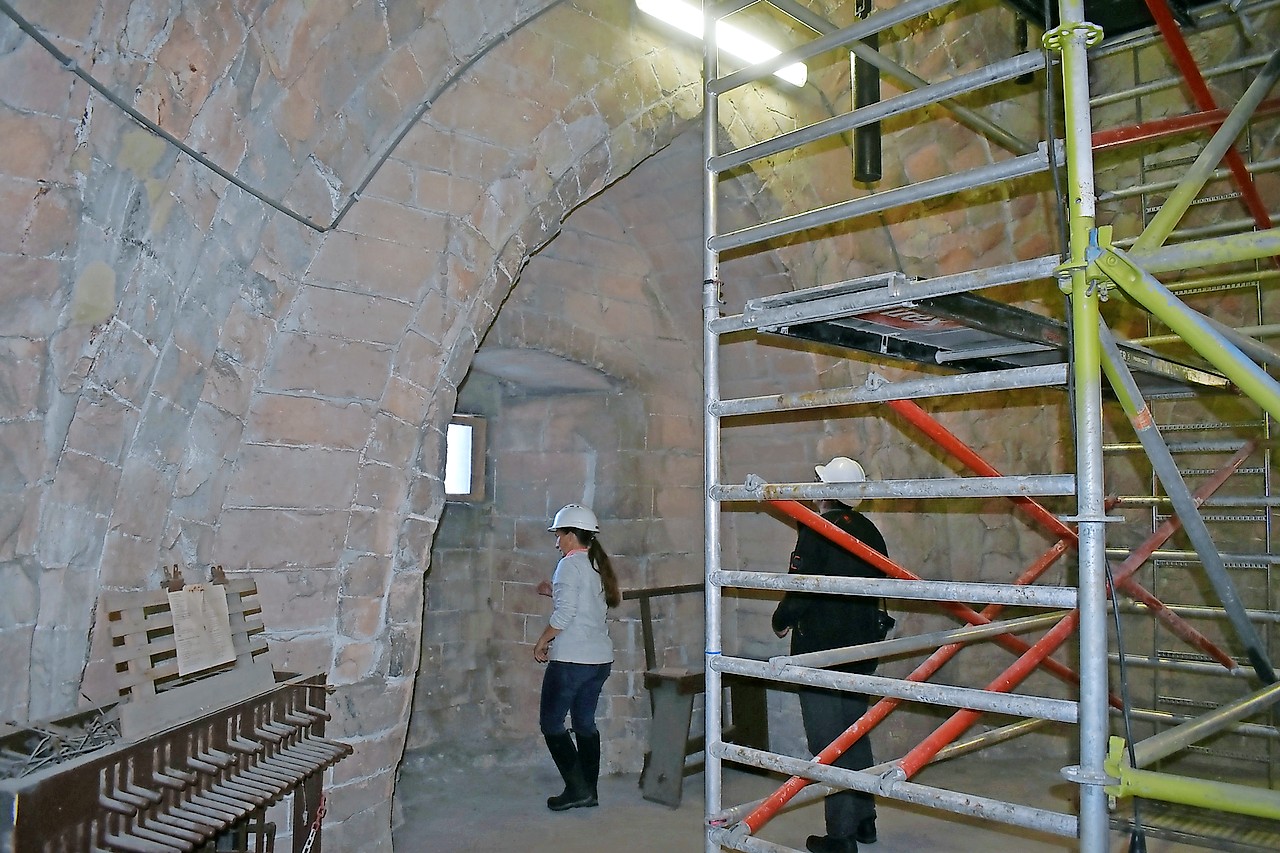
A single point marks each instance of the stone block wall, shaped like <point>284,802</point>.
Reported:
<point>258,374</point>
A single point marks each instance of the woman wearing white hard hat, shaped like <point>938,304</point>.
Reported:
<point>578,652</point>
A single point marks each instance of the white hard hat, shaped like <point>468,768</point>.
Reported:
<point>842,469</point>
<point>576,516</point>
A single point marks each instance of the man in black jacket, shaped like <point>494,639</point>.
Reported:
<point>824,621</point>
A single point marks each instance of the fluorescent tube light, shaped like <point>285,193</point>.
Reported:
<point>733,41</point>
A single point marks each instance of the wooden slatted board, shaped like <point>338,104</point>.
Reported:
<point>146,658</point>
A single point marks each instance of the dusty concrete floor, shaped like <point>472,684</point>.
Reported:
<point>497,809</point>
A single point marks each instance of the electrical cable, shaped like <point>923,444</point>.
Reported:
<point>1137,835</point>
<point>1055,170</point>
<point>71,65</point>
<point>426,105</point>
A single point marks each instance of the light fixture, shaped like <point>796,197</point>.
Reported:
<point>733,41</point>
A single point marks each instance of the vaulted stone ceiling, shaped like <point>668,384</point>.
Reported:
<point>244,353</point>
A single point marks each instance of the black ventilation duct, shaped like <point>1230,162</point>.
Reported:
<point>867,166</point>
<point>1116,17</point>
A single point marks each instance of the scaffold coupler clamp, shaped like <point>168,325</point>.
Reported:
<point>1116,766</point>
<point>1101,519</point>
<point>719,285</point>
<point>1077,775</point>
<point>1057,38</point>
<point>1065,272</point>
<point>890,778</point>
<point>874,382</point>
<point>1097,257</point>
<point>736,833</point>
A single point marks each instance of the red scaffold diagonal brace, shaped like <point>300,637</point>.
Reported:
<point>1204,100</point>
<point>879,711</point>
<point>1014,675</point>
<point>1162,128</point>
<point>964,612</point>
<point>921,419</point>
<point>958,723</point>
<point>772,804</point>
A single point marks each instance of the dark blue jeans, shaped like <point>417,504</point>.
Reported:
<point>573,689</point>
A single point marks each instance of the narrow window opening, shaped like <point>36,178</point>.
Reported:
<point>464,455</point>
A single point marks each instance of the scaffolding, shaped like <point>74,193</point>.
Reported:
<point>1182,355</point>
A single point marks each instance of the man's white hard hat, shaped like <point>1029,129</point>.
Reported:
<point>842,469</point>
<point>576,516</point>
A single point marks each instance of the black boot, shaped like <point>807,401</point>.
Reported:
<point>830,844</point>
<point>589,762</point>
<point>565,756</point>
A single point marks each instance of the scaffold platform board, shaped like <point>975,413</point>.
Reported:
<point>969,333</point>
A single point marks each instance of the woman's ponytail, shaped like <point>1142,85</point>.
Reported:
<point>604,568</point>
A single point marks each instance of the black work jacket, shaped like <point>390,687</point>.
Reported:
<point>825,621</point>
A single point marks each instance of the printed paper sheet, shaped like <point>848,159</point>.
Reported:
<point>201,627</point>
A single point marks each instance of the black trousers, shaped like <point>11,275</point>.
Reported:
<point>826,714</point>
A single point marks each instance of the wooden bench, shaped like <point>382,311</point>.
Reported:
<point>672,691</point>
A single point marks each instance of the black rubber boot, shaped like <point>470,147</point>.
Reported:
<point>589,762</point>
<point>830,844</point>
<point>565,755</point>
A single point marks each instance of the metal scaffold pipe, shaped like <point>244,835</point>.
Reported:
<point>713,714</point>
<point>1218,147</point>
<point>1022,595</point>
<point>1073,38</point>
<point>1015,167</point>
<point>878,390</point>
<point>934,487</point>
<point>932,94</point>
<point>1256,167</point>
<point>1173,82</point>
<point>910,792</point>
<point>919,642</point>
<point>1212,612</point>
<point>1165,718</point>
<point>1194,328</point>
<point>1249,246</point>
<point>1166,743</point>
<point>883,20</point>
<point>907,79</point>
<point>1166,469</point>
<point>1041,707</point>
<point>1197,667</point>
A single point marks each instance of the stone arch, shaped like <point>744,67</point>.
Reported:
<point>612,294</point>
